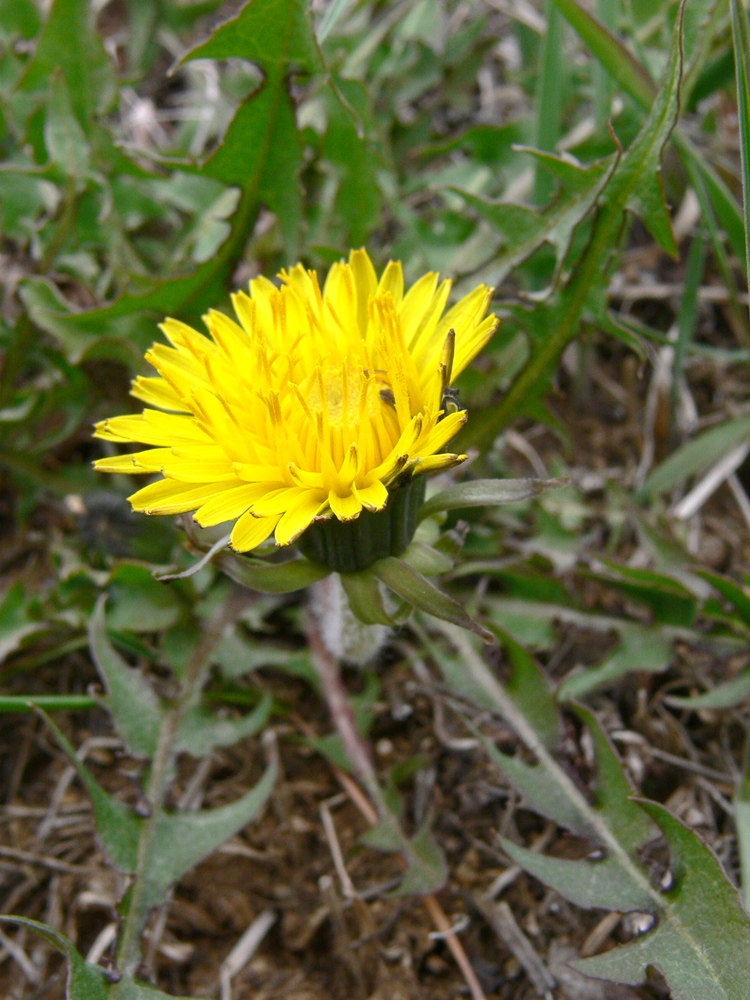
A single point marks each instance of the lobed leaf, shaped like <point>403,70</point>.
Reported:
<point>713,965</point>
<point>182,840</point>
<point>696,959</point>
<point>84,981</point>
<point>525,229</point>
<point>133,703</point>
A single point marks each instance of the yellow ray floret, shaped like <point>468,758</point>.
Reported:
<point>312,405</point>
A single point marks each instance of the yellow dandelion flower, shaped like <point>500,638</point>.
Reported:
<point>316,404</point>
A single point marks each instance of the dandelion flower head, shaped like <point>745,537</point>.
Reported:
<point>313,404</point>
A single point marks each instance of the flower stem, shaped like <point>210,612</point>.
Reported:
<point>342,716</point>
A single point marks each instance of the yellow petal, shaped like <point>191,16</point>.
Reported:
<point>151,460</point>
<point>374,496</point>
<point>170,497</point>
<point>278,502</point>
<point>157,392</point>
<point>152,427</point>
<point>416,303</point>
<point>437,463</point>
<point>472,343</point>
<point>442,432</point>
<point>393,281</point>
<point>298,517</point>
<point>366,282</point>
<point>229,504</point>
<point>249,531</point>
<point>347,507</point>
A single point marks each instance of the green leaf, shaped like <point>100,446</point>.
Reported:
<point>741,36</point>
<point>70,44</point>
<point>18,18</point>
<point>525,229</point>
<point>47,702</point>
<point>487,493</point>
<point>634,185</point>
<point>589,884</point>
<point>84,981</point>
<point>530,690</point>
<point>15,625</point>
<point>130,698</point>
<point>695,962</point>
<point>365,596</point>
<point>427,560</point>
<point>712,966</point>
<point>270,578</point>
<point>183,840</point>
<point>139,603</point>
<point>277,36</point>
<point>200,730</point>
<point>669,601</point>
<point>128,988</point>
<point>418,591</point>
<point>63,136</point>
<point>117,825</point>
<point>696,456</point>
<point>726,695</point>
<point>737,596</point>
<point>426,870</point>
<point>609,50</point>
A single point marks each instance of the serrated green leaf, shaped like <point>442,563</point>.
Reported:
<point>69,43</point>
<point>592,884</point>
<point>630,181</point>
<point>613,791</point>
<point>200,730</point>
<point>426,871</point>
<point>117,825</point>
<point>418,591</point>
<point>84,981</point>
<point>696,964</point>
<point>270,578</point>
<point>277,32</point>
<point>132,701</point>
<point>182,840</point>
<point>695,961</point>
<point>277,36</point>
<point>542,792</point>
<point>487,493</point>
<point>525,229</point>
